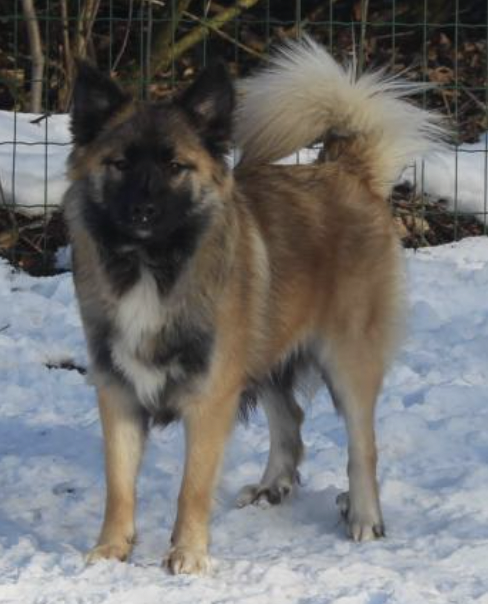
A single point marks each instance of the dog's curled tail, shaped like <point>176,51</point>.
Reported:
<point>303,95</point>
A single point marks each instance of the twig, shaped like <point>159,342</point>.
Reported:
<point>85,26</point>
<point>66,41</point>
<point>147,59</point>
<point>480,104</point>
<point>446,103</point>
<point>35,44</point>
<point>166,39</point>
<point>207,8</point>
<point>197,34</point>
<point>398,34</point>
<point>68,58</point>
<point>40,118</point>
<point>308,20</point>
<point>225,36</point>
<point>32,244</point>
<point>362,42</point>
<point>68,365</point>
<point>31,225</point>
<point>83,33</point>
<point>126,37</point>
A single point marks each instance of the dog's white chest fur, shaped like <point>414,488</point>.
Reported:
<point>140,315</point>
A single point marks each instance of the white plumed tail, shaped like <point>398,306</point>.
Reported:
<point>303,95</point>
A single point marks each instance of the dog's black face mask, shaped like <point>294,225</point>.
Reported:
<point>151,166</point>
<point>144,193</point>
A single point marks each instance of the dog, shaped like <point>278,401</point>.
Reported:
<point>203,287</point>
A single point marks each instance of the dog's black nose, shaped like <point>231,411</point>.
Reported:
<point>143,213</point>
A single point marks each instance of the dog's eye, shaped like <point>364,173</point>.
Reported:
<point>176,168</point>
<point>119,164</point>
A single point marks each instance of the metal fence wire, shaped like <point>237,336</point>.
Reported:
<point>154,46</point>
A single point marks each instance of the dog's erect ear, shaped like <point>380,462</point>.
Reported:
<point>95,99</point>
<point>209,102</point>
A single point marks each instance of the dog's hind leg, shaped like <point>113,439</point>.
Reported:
<point>124,430</point>
<point>284,417</point>
<point>354,371</point>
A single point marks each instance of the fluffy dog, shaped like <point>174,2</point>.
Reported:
<point>201,287</point>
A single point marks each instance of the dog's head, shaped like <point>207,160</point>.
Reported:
<point>149,169</point>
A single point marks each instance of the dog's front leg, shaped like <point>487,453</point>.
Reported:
<point>124,433</point>
<point>207,426</point>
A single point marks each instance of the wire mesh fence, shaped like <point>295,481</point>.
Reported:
<point>154,46</point>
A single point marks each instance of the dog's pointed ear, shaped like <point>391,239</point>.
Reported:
<point>209,102</point>
<point>95,99</point>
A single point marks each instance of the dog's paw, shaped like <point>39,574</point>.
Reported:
<point>266,494</point>
<point>186,561</point>
<point>343,503</point>
<point>360,526</point>
<point>109,551</point>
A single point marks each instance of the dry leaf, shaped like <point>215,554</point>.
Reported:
<point>8,239</point>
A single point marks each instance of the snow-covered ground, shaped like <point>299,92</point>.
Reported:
<point>433,441</point>
<point>33,155</point>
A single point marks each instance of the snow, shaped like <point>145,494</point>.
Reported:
<point>33,154</point>
<point>433,468</point>
<point>431,422</point>
<point>460,176</point>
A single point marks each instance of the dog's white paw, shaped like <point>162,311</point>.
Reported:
<point>365,526</point>
<point>186,561</point>
<point>109,551</point>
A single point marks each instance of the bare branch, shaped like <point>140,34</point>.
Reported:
<point>362,42</point>
<point>225,36</point>
<point>68,57</point>
<point>162,60</point>
<point>37,55</point>
<point>85,25</point>
<point>165,40</point>
<point>126,37</point>
<point>83,33</point>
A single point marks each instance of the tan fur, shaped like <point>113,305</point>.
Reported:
<point>324,267</point>
<point>296,257</point>
<point>124,436</point>
<point>332,252</point>
<point>301,253</point>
